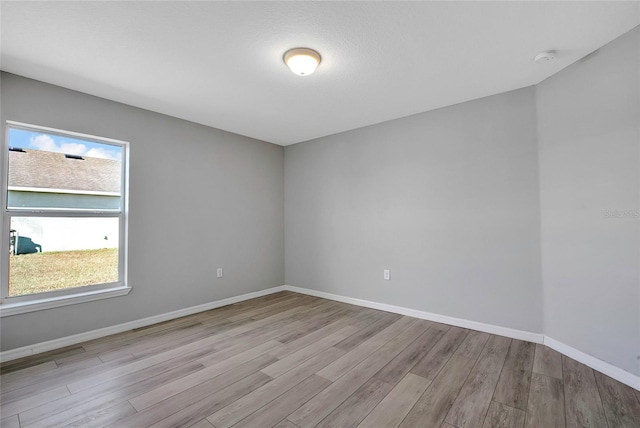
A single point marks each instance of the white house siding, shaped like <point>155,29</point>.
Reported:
<point>22,199</point>
<point>64,234</point>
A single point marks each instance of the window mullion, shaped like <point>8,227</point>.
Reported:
<point>62,213</point>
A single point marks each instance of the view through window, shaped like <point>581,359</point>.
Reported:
<point>64,211</point>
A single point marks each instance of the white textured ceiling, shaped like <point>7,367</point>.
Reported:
<point>220,63</point>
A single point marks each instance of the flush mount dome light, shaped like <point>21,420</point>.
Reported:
<point>302,61</point>
<point>545,56</point>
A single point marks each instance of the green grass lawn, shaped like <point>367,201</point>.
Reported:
<point>40,272</point>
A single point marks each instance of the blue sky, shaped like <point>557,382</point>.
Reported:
<point>53,143</point>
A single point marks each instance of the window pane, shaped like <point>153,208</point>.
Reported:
<point>52,171</point>
<point>55,253</point>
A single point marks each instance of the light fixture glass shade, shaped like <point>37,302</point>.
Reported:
<point>302,61</point>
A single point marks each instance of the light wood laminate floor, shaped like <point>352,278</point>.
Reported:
<point>289,360</point>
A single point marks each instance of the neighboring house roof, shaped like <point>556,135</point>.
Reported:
<point>49,170</point>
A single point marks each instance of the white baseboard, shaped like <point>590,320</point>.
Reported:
<point>459,322</point>
<point>50,345</point>
<point>589,360</point>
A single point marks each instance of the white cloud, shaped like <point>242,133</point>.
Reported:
<point>99,152</point>
<point>43,142</point>
<point>72,148</point>
<point>46,143</point>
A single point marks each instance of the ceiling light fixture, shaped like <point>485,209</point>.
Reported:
<point>545,56</point>
<point>302,61</point>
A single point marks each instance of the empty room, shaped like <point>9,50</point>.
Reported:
<point>303,214</point>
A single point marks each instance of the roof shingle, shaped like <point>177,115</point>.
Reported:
<point>49,170</point>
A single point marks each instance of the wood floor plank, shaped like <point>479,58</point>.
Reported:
<point>308,339</point>
<point>473,344</point>
<point>397,368</point>
<point>502,416</point>
<point>306,303</point>
<point>366,316</point>
<point>293,360</point>
<point>44,381</point>
<point>54,377</point>
<point>429,366</point>
<point>513,386</point>
<point>320,316</point>
<point>311,413</point>
<point>365,349</point>
<point>252,328</point>
<point>432,407</point>
<point>274,412</point>
<point>170,389</point>
<point>10,422</point>
<point>198,399</point>
<point>546,402</point>
<point>314,334</point>
<point>160,362</point>
<point>193,350</point>
<point>289,315</point>
<point>202,424</point>
<point>355,408</point>
<point>104,395</point>
<point>309,302</point>
<point>547,362</point>
<point>127,338</point>
<point>472,403</point>
<point>121,358</point>
<point>164,325</point>
<point>26,392</point>
<point>103,417</point>
<point>583,407</point>
<point>315,318</point>
<point>218,347</point>
<point>29,371</point>
<point>285,423</point>
<point>397,404</point>
<point>620,408</point>
<point>250,304</point>
<point>441,326</point>
<point>229,348</point>
<point>190,413</point>
<point>367,332</point>
<point>315,321</point>
<point>179,367</point>
<point>32,401</point>
<point>34,360</point>
<point>86,359</point>
<point>248,404</point>
<point>158,344</point>
<point>261,309</point>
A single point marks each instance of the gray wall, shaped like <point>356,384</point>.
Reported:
<point>200,198</point>
<point>589,136</point>
<point>448,200</point>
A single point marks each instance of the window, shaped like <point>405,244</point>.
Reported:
<point>64,223</point>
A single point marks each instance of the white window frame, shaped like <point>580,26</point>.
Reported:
<point>51,299</point>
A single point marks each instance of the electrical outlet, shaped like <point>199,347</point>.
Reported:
<point>219,272</point>
<point>387,274</point>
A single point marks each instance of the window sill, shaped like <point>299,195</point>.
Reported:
<point>9,309</point>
